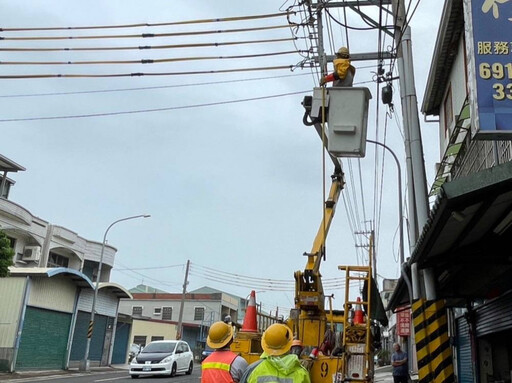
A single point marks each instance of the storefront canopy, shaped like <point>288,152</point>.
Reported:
<point>467,239</point>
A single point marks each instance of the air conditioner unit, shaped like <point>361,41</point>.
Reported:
<point>31,253</point>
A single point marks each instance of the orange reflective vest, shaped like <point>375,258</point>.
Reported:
<point>216,367</point>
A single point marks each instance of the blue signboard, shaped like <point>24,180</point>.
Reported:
<point>492,44</point>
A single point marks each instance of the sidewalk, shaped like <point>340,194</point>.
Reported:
<point>383,374</point>
<point>31,374</point>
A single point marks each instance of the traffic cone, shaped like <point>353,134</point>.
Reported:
<point>250,324</point>
<point>358,313</point>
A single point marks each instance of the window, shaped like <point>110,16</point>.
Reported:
<point>12,242</point>
<point>158,311</point>
<point>153,338</point>
<point>167,313</point>
<point>140,340</point>
<point>199,313</point>
<point>56,260</point>
<point>136,310</point>
<point>448,110</point>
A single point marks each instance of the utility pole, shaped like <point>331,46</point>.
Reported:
<point>415,165</point>
<point>416,176</point>
<point>182,304</point>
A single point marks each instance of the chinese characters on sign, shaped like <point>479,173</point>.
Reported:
<point>491,23</point>
<point>403,322</point>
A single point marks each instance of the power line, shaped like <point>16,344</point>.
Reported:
<point>138,25</point>
<point>144,35</point>
<point>148,47</point>
<point>151,110</point>
<point>141,74</point>
<point>150,268</point>
<point>149,61</point>
<point>150,87</point>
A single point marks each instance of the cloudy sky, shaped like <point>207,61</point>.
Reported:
<point>222,161</point>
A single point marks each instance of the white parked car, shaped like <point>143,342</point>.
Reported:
<point>163,357</point>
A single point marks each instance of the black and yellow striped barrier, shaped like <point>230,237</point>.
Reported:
<point>89,330</point>
<point>435,359</point>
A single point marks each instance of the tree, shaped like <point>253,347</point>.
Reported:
<point>6,255</point>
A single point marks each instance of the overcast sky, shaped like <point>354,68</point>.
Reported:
<point>234,187</point>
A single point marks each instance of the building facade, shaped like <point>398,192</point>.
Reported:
<point>466,241</point>
<point>52,283</point>
<point>200,310</point>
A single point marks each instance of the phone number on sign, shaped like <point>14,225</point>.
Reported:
<point>498,71</point>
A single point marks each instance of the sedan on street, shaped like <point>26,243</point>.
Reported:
<point>163,357</point>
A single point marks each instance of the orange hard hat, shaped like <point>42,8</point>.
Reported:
<point>297,342</point>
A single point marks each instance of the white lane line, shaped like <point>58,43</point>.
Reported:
<point>104,380</point>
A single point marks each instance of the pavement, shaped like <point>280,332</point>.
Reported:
<point>37,373</point>
<point>382,374</point>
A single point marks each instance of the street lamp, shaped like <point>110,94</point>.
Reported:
<point>401,224</point>
<point>84,364</point>
<point>400,210</point>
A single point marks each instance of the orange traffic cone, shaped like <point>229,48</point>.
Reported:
<point>250,324</point>
<point>358,313</point>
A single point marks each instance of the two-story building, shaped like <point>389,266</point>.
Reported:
<point>47,299</point>
<point>201,308</point>
<point>466,241</point>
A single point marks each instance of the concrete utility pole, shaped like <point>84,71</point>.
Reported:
<point>182,304</point>
<point>415,165</point>
<point>416,176</point>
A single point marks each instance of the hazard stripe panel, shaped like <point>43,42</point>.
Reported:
<point>435,359</point>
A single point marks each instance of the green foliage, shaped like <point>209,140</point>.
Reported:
<point>6,255</point>
<point>383,357</point>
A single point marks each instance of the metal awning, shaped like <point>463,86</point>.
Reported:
<point>80,279</point>
<point>116,289</point>
<point>7,165</point>
<point>466,240</point>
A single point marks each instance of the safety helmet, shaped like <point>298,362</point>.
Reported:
<point>297,342</point>
<point>220,335</point>
<point>277,339</point>
<point>343,53</point>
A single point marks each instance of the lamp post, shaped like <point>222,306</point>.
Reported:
<point>84,364</point>
<point>400,210</point>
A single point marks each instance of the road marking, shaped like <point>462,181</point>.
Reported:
<point>43,378</point>
<point>60,376</point>
<point>104,380</point>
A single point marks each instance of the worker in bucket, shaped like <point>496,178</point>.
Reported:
<point>344,72</point>
<point>223,365</point>
<point>276,363</point>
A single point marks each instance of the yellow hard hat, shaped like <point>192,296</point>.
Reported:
<point>343,52</point>
<point>277,339</point>
<point>220,335</point>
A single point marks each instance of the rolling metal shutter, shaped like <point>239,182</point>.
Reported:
<point>495,316</point>
<point>464,358</point>
<point>119,355</point>
<point>44,339</point>
<point>80,336</point>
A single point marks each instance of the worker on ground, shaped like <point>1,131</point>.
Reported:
<point>297,347</point>
<point>344,72</point>
<point>400,365</point>
<point>276,363</point>
<point>223,365</point>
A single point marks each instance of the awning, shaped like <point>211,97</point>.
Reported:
<point>7,165</point>
<point>80,279</point>
<point>116,289</point>
<point>466,240</point>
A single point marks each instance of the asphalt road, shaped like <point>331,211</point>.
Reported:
<point>115,376</point>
